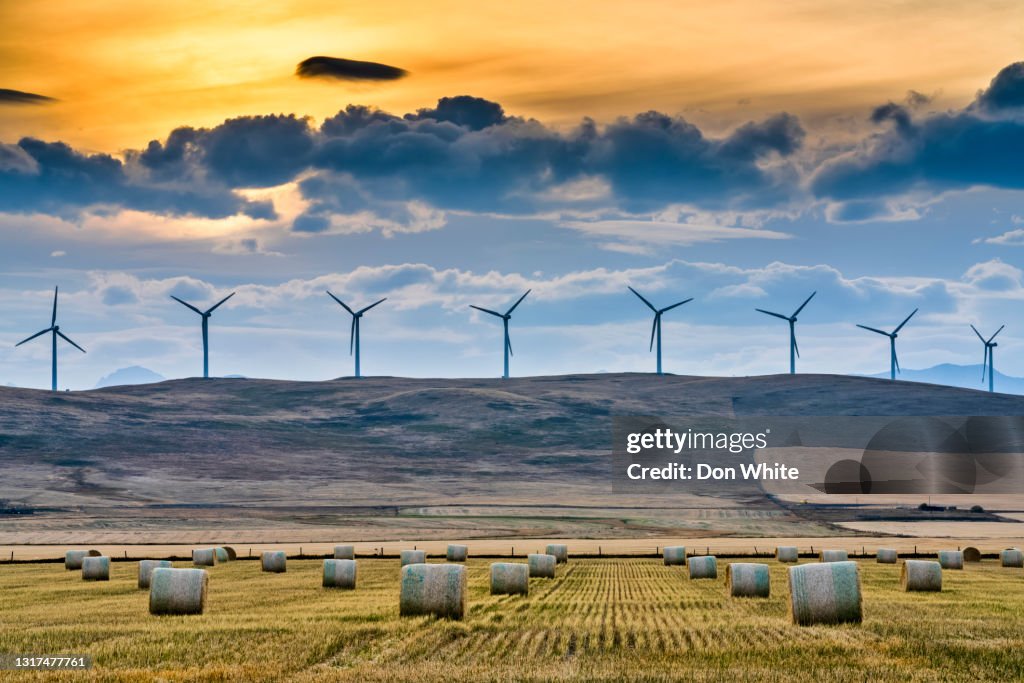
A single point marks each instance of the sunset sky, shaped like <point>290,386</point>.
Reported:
<point>743,153</point>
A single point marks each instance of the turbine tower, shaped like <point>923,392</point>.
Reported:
<point>794,350</point>
<point>205,315</point>
<point>505,317</point>
<point>353,337</point>
<point>989,358</point>
<point>894,364</point>
<point>656,325</point>
<point>54,329</point>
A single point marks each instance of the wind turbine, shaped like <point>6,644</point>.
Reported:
<point>656,325</point>
<point>894,365</point>
<point>794,350</point>
<point>54,329</point>
<point>353,337</point>
<point>505,317</point>
<point>206,328</point>
<point>989,358</point>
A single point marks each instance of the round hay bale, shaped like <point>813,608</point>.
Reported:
<point>204,557</point>
<point>457,553</point>
<point>703,567</point>
<point>510,578</point>
<point>542,566</point>
<point>146,568</point>
<point>178,591</point>
<point>833,556</point>
<point>222,555</point>
<point>437,589</point>
<point>340,574</point>
<point>1011,557</point>
<point>747,580</point>
<point>73,558</point>
<point>344,552</point>
<point>413,557</point>
<point>825,593</point>
<point>275,561</point>
<point>787,553</point>
<point>674,555</point>
<point>951,559</point>
<point>559,550</point>
<point>232,555</point>
<point>95,568</point>
<point>972,554</point>
<point>921,575</point>
<point>886,556</point>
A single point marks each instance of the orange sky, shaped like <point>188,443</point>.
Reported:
<point>126,71</point>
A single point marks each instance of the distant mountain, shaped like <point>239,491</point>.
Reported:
<point>130,375</point>
<point>964,376</point>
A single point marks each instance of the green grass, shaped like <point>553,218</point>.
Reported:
<point>604,620</point>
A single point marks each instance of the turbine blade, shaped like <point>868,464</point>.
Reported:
<point>905,321</point>
<point>669,308</point>
<point>508,342</point>
<point>994,335</point>
<point>352,337</point>
<point>53,318</point>
<point>874,329</point>
<point>797,311</point>
<point>343,304</point>
<point>896,358</point>
<point>984,362</point>
<point>777,315</point>
<point>654,326</point>
<point>978,333</point>
<point>796,347</point>
<point>34,336</point>
<point>509,311</point>
<point>649,304</point>
<point>186,304</point>
<point>217,305</point>
<point>487,310</point>
<point>364,310</point>
<point>61,335</point>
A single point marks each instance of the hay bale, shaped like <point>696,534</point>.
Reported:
<point>204,557</point>
<point>344,552</point>
<point>703,567</point>
<point>787,553</point>
<point>178,591</point>
<point>972,554</point>
<point>921,575</point>
<point>833,556</point>
<point>747,580</point>
<point>674,555</point>
<point>232,555</point>
<point>951,559</point>
<point>146,568</point>
<point>542,566</point>
<point>559,550</point>
<point>886,556</point>
<point>825,593</point>
<point>95,568</point>
<point>340,574</point>
<point>1011,557</point>
<point>222,555</point>
<point>437,589</point>
<point>510,578</point>
<point>73,558</point>
<point>457,553</point>
<point>413,557</point>
<point>275,561</point>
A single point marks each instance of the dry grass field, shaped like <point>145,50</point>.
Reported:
<point>603,620</point>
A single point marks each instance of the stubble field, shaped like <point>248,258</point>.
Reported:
<point>600,619</point>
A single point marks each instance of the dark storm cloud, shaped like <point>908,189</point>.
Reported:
<point>8,96</point>
<point>347,70</point>
<point>1005,92</point>
<point>54,178</point>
